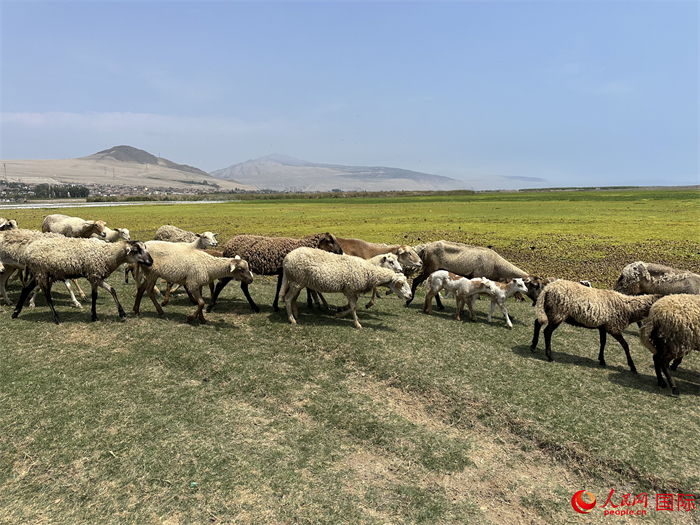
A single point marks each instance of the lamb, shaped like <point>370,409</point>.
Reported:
<point>332,273</point>
<point>607,310</point>
<point>175,234</point>
<point>7,224</point>
<point>72,226</point>
<point>170,288</point>
<point>62,258</point>
<point>12,247</point>
<point>499,294</point>
<point>453,284</point>
<point>176,263</point>
<point>651,278</point>
<point>672,331</point>
<point>265,255</point>
<point>466,260</point>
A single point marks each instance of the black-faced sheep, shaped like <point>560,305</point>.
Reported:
<point>192,269</point>
<point>265,255</point>
<point>72,226</point>
<point>650,278</point>
<point>332,273</point>
<point>575,304</point>
<point>463,259</point>
<point>51,258</point>
<point>671,331</point>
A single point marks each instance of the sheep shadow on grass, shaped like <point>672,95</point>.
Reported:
<point>573,359</point>
<point>688,381</point>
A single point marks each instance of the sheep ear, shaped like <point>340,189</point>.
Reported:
<point>216,234</point>
<point>237,257</point>
<point>197,234</point>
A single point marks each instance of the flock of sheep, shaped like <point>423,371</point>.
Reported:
<point>69,247</point>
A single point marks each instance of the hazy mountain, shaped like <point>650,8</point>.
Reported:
<point>283,173</point>
<point>118,166</point>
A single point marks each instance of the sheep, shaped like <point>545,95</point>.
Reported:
<point>72,226</point>
<point>175,263</point>
<point>466,260</point>
<point>7,224</point>
<point>499,294</point>
<point>175,234</point>
<point>170,288</point>
<point>200,241</point>
<point>120,234</point>
<point>453,284</point>
<point>407,257</point>
<point>64,258</point>
<point>265,255</point>
<point>332,273</point>
<point>607,310</point>
<point>651,278</point>
<point>384,260</point>
<point>12,247</point>
<point>672,331</point>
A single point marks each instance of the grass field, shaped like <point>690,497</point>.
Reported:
<point>414,419</point>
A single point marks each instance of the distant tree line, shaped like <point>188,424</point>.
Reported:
<point>55,191</point>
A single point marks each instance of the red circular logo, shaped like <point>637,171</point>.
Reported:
<point>581,506</point>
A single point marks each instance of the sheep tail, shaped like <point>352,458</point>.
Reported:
<point>539,308</point>
<point>284,288</point>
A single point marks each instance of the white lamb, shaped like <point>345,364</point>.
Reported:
<point>499,293</point>
<point>331,273</point>
<point>460,287</point>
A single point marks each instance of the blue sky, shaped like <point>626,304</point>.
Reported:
<point>576,93</point>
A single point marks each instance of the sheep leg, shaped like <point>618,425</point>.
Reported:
<point>139,294</point>
<point>149,289</point>
<point>220,286</point>
<point>23,297</point>
<point>438,302</point>
<point>352,306</point>
<point>3,286</point>
<point>82,294</point>
<point>470,303</point>
<point>370,304</point>
<point>113,292</point>
<point>255,307</point>
<point>460,308</point>
<point>422,277</point>
<point>323,300</point>
<point>657,369</point>
<point>200,306</point>
<point>626,348</point>
<point>548,340</point>
<point>503,309</point>
<point>275,306</point>
<point>428,302</point>
<point>94,303</point>
<point>601,354</point>
<point>72,295</point>
<point>168,291</point>
<point>310,296</point>
<point>675,364</point>
<point>535,336</point>
<point>293,291</point>
<point>671,380</point>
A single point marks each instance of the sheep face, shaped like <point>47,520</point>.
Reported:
<point>399,285</point>
<point>97,227</point>
<point>124,234</point>
<point>631,278</point>
<point>330,244</point>
<point>409,259</point>
<point>389,260</point>
<point>517,285</point>
<point>209,238</point>
<point>137,253</point>
<point>240,271</point>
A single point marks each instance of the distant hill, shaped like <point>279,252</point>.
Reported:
<point>283,173</point>
<point>118,166</point>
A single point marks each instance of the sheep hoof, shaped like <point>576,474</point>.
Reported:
<point>602,363</point>
<point>675,393</point>
<point>633,369</point>
<point>533,348</point>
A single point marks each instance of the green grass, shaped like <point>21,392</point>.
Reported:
<point>414,419</point>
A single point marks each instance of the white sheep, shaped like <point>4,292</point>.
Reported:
<point>178,263</point>
<point>672,331</point>
<point>61,258</point>
<point>499,294</point>
<point>12,247</point>
<point>384,260</point>
<point>607,310</point>
<point>332,273</point>
<point>650,278</point>
<point>175,234</point>
<point>120,234</point>
<point>72,226</point>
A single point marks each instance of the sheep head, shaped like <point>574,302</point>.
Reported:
<point>329,243</point>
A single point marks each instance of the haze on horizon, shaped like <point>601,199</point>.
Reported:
<point>575,93</point>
